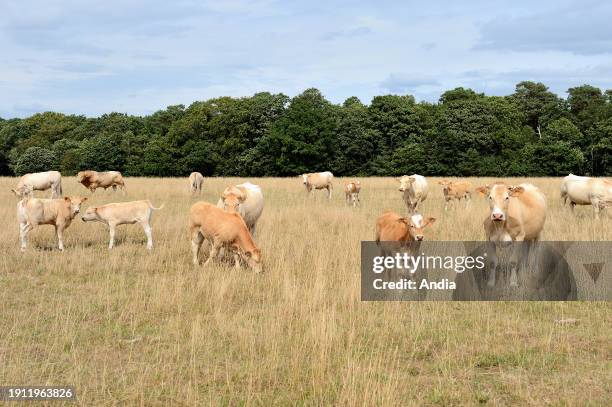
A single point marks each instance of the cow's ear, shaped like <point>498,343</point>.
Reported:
<point>411,179</point>
<point>429,221</point>
<point>516,191</point>
<point>483,190</point>
<point>404,220</point>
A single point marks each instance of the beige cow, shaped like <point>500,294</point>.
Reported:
<point>517,213</point>
<point>247,200</point>
<point>60,212</point>
<point>123,213</point>
<point>222,229</point>
<point>39,181</point>
<point>351,192</point>
<point>587,191</point>
<point>414,189</point>
<point>456,191</point>
<point>195,183</point>
<point>93,180</point>
<point>319,180</point>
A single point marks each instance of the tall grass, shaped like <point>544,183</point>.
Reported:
<point>130,328</point>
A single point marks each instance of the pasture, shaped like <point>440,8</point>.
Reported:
<point>127,327</point>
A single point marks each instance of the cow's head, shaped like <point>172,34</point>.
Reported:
<point>305,178</point>
<point>499,196</point>
<point>74,203</point>
<point>446,185</point>
<point>416,225</point>
<point>232,197</point>
<point>405,182</point>
<point>91,214</point>
<point>253,259</point>
<point>23,191</point>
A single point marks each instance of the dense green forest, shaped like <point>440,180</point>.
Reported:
<point>532,132</point>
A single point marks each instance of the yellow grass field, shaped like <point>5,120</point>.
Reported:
<point>130,328</point>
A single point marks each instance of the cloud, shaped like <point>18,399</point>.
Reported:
<point>582,28</point>
<point>351,33</point>
<point>407,83</point>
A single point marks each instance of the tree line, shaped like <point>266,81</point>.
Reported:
<point>532,132</point>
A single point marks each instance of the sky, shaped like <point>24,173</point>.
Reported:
<point>139,56</point>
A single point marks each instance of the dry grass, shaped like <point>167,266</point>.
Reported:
<point>129,328</point>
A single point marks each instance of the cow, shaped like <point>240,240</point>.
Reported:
<point>414,189</point>
<point>222,229</point>
<point>59,212</point>
<point>195,183</point>
<point>586,191</point>
<point>456,191</point>
<point>39,181</point>
<point>516,214</point>
<point>391,227</point>
<point>247,200</point>
<point>318,180</point>
<point>123,213</point>
<point>93,180</point>
<point>351,192</point>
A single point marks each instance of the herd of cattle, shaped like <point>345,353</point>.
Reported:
<point>517,213</point>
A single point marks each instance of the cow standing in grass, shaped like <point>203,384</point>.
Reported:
<point>319,180</point>
<point>195,183</point>
<point>586,191</point>
<point>93,180</point>
<point>39,181</point>
<point>351,193</point>
<point>414,189</point>
<point>32,212</point>
<point>516,214</point>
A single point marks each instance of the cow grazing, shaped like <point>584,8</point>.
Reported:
<point>93,180</point>
<point>319,180</point>
<point>517,213</point>
<point>195,183</point>
<point>414,189</point>
<point>391,227</point>
<point>123,213</point>
<point>586,191</point>
<point>39,181</point>
<point>247,200</point>
<point>222,229</point>
<point>456,191</point>
<point>351,192</point>
<point>60,212</point>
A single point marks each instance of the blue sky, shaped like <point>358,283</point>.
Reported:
<point>137,56</point>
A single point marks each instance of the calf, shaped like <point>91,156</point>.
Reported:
<point>414,189</point>
<point>319,180</point>
<point>223,229</point>
<point>32,212</point>
<point>456,191</point>
<point>39,181</point>
<point>195,183</point>
<point>93,180</point>
<point>391,227</point>
<point>517,213</point>
<point>123,213</point>
<point>351,192</point>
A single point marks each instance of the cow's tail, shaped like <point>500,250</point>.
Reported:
<point>154,208</point>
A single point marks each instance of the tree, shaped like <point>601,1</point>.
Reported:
<point>564,130</point>
<point>587,104</point>
<point>34,159</point>
<point>459,95</point>
<point>537,103</point>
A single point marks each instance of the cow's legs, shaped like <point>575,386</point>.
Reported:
<point>111,230</point>
<point>493,259</point>
<point>213,251</point>
<point>329,192</point>
<point>59,230</point>
<point>196,242</point>
<point>148,232</point>
<point>24,229</point>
